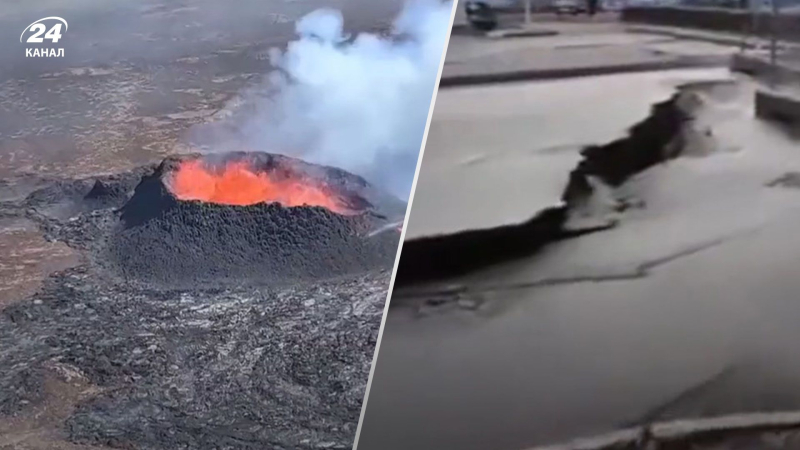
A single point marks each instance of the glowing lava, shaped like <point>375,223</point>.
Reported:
<point>237,183</point>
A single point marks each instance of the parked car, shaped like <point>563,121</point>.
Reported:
<point>573,7</point>
<point>481,15</point>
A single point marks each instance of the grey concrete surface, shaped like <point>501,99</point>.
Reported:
<point>717,37</point>
<point>497,153</point>
<point>719,18</point>
<point>693,292</point>
<point>784,73</point>
<point>779,106</point>
<point>523,359</point>
<point>580,48</point>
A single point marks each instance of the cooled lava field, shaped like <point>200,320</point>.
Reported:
<point>225,301</point>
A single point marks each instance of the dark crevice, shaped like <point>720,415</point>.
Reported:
<point>650,142</point>
<point>643,270</point>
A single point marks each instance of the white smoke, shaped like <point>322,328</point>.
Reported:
<point>359,103</point>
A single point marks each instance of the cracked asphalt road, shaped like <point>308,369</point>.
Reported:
<point>611,328</point>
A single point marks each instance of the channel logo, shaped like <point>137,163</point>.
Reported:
<point>50,29</point>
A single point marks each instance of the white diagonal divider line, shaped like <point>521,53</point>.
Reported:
<point>405,226</point>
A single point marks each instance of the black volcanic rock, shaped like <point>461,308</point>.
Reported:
<point>235,342</point>
<point>173,242</point>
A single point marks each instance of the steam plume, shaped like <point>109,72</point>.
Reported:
<point>359,103</point>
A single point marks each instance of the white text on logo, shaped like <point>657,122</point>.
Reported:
<point>38,33</point>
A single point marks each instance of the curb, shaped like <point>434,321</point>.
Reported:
<point>510,33</point>
<point>684,430</point>
<point>775,106</point>
<point>730,40</point>
<point>579,72</point>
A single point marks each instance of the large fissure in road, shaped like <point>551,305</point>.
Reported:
<point>587,201</point>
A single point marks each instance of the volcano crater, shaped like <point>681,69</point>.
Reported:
<point>261,232</point>
<point>254,321</point>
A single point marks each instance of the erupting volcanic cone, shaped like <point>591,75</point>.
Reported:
<point>252,217</point>
<point>237,183</point>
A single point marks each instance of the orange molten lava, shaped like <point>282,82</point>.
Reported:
<point>237,184</point>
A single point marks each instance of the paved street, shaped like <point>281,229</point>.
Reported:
<point>580,47</point>
<point>685,309</point>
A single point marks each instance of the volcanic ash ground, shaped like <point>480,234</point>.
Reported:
<point>231,302</point>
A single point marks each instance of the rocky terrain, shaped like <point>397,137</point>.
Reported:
<point>250,359</point>
<point>93,355</point>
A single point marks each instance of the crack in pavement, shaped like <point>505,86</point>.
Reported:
<point>693,391</point>
<point>456,292</point>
